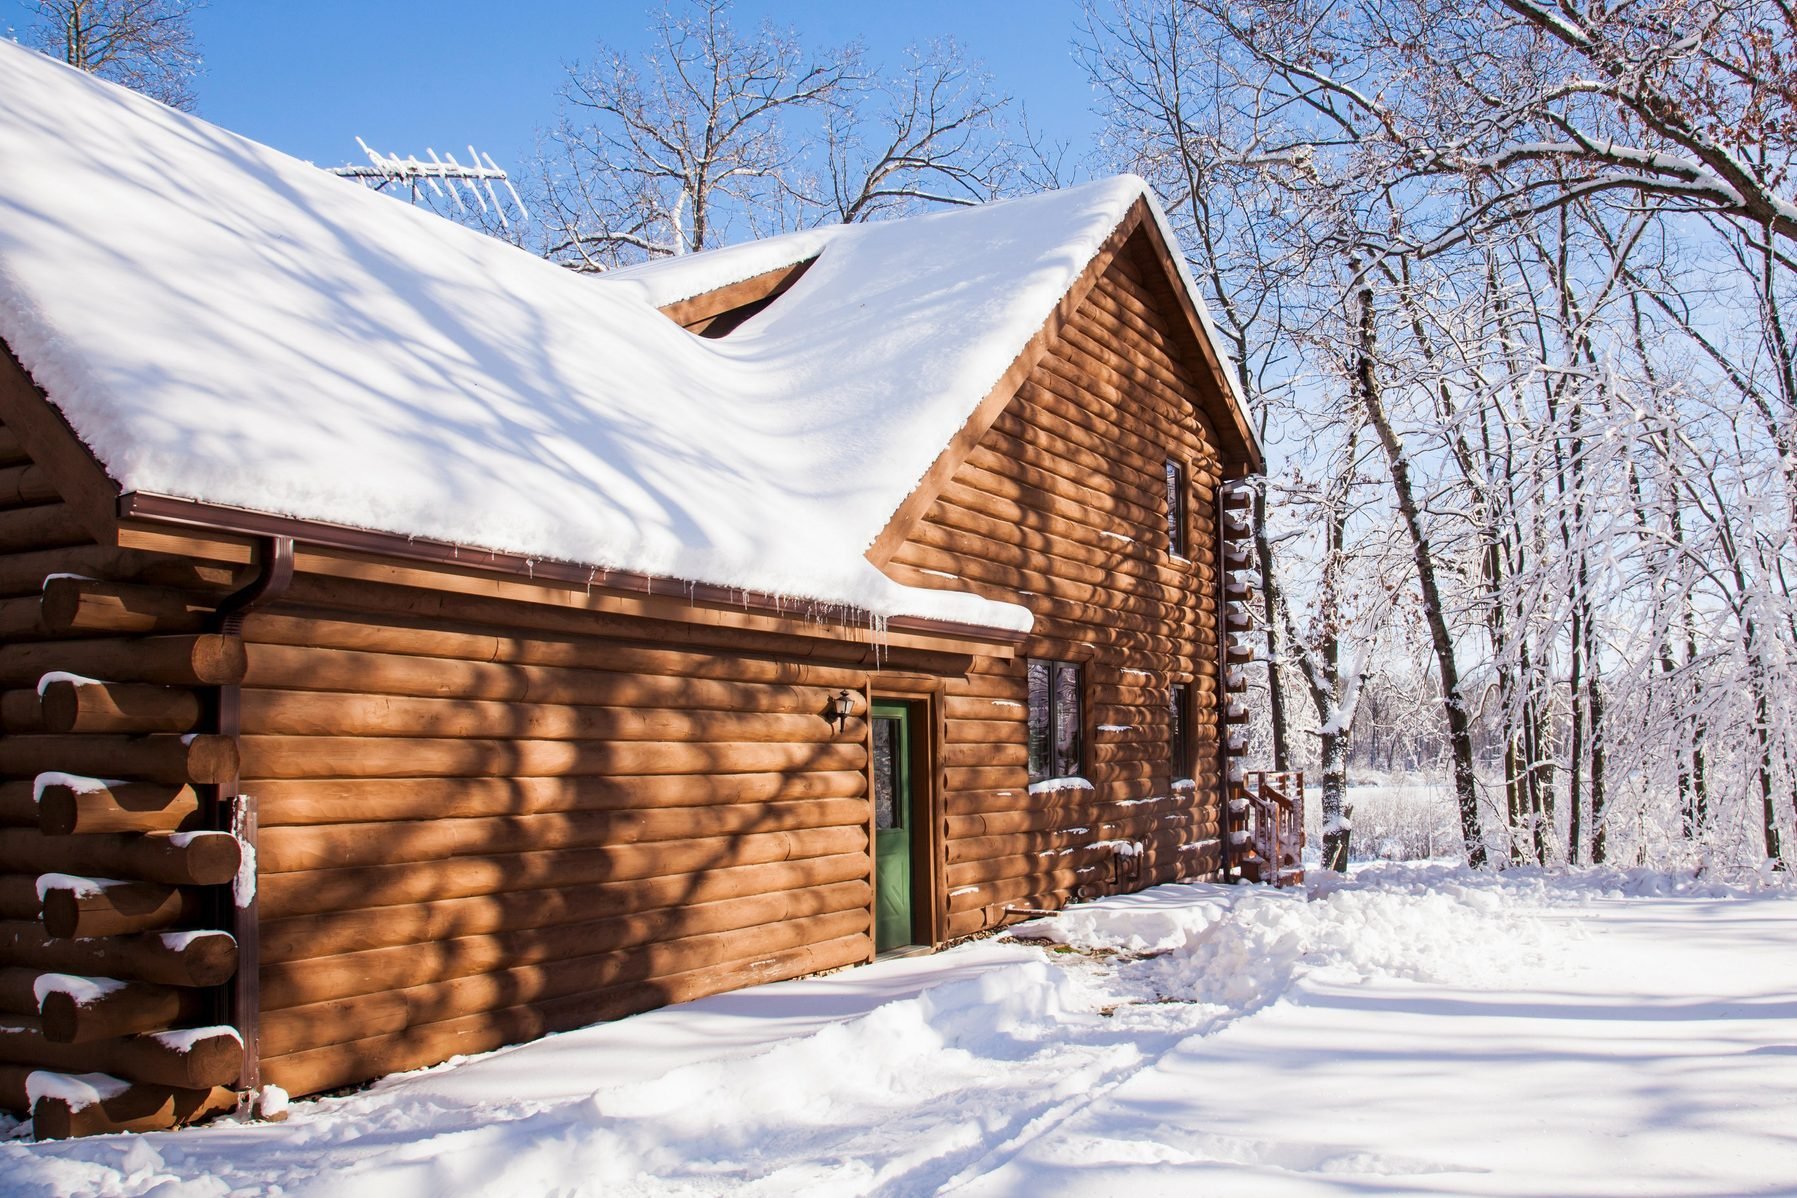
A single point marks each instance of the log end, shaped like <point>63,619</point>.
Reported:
<point>58,810</point>
<point>212,759</point>
<point>60,705</point>
<point>219,660</point>
<point>211,858</point>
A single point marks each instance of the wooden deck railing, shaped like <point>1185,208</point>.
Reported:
<point>1271,814</point>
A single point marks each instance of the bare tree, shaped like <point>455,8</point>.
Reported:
<point>721,134</point>
<point>676,156</point>
<point>931,136</point>
<point>147,45</point>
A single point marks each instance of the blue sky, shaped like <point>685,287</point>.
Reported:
<point>309,77</point>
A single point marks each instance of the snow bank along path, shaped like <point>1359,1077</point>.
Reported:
<point>1412,1030</point>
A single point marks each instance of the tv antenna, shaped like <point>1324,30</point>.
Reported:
<point>444,178</point>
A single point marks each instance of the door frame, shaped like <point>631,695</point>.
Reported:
<point>929,899</point>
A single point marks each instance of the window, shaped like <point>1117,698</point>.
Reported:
<point>1055,720</point>
<point>1179,702</point>
<point>1176,508</point>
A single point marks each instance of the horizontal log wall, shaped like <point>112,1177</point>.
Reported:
<point>478,825</point>
<point>1062,508</point>
<point>109,894</point>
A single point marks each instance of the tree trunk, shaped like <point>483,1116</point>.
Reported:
<point>1460,740</point>
<point>1337,816</point>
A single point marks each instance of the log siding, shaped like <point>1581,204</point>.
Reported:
<point>1062,507</point>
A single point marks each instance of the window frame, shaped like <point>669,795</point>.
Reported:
<point>1052,719</point>
<point>1178,509</point>
<point>1179,739</point>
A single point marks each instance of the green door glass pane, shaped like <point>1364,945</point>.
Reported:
<point>892,827</point>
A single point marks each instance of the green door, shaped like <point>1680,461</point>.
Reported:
<point>893,819</point>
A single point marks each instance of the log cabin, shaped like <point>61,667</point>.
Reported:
<point>412,647</point>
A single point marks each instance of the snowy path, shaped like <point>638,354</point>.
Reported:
<point>1415,1031</point>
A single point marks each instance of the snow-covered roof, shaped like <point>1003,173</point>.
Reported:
<point>224,323</point>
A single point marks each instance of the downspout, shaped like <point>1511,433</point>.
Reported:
<point>1225,788</point>
<point>235,812</point>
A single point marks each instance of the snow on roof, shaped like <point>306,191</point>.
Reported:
<point>224,323</point>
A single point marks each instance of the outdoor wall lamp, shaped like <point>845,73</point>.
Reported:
<point>841,708</point>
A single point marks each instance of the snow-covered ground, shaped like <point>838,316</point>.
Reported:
<point>1412,1030</point>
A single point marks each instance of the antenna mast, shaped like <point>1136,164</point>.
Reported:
<point>445,177</point>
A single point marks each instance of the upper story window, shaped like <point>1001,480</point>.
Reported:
<point>1179,703</point>
<point>1055,720</point>
<point>1176,508</point>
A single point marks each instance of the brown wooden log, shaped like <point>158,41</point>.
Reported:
<point>176,858</point>
<point>118,908</point>
<point>1163,605</point>
<point>18,896</point>
<point>1016,797</point>
<point>286,848</point>
<point>25,573</point>
<point>67,810</point>
<point>824,641</point>
<point>18,994</point>
<point>11,452</point>
<point>174,759</point>
<point>985,732</point>
<point>187,1060</point>
<point>986,778</point>
<point>969,873</point>
<point>47,526</point>
<point>1095,558</point>
<point>21,712</point>
<point>1114,349</point>
<point>305,802</point>
<point>823,881</point>
<point>388,1011</point>
<point>325,978</point>
<point>312,713</point>
<point>1047,410</point>
<point>1020,844</point>
<point>395,637</point>
<point>122,1009</point>
<point>1053,462</point>
<point>135,1108</point>
<point>205,660</point>
<point>1056,408</point>
<point>339,1064</point>
<point>69,706</point>
<point>1004,708</point>
<point>1006,820</point>
<point>995,474</point>
<point>171,958</point>
<point>963,505</point>
<point>1088,455</point>
<point>619,676</point>
<point>18,804</point>
<point>24,484</point>
<point>1025,889</point>
<point>392,757</point>
<point>1014,752</point>
<point>84,605</point>
<point>287,894</point>
<point>1163,402</point>
<point>22,619</point>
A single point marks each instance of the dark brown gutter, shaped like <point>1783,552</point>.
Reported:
<point>235,812</point>
<point>189,513</point>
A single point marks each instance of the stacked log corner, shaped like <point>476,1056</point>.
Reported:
<point>1241,579</point>
<point>1062,508</point>
<point>111,963</point>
